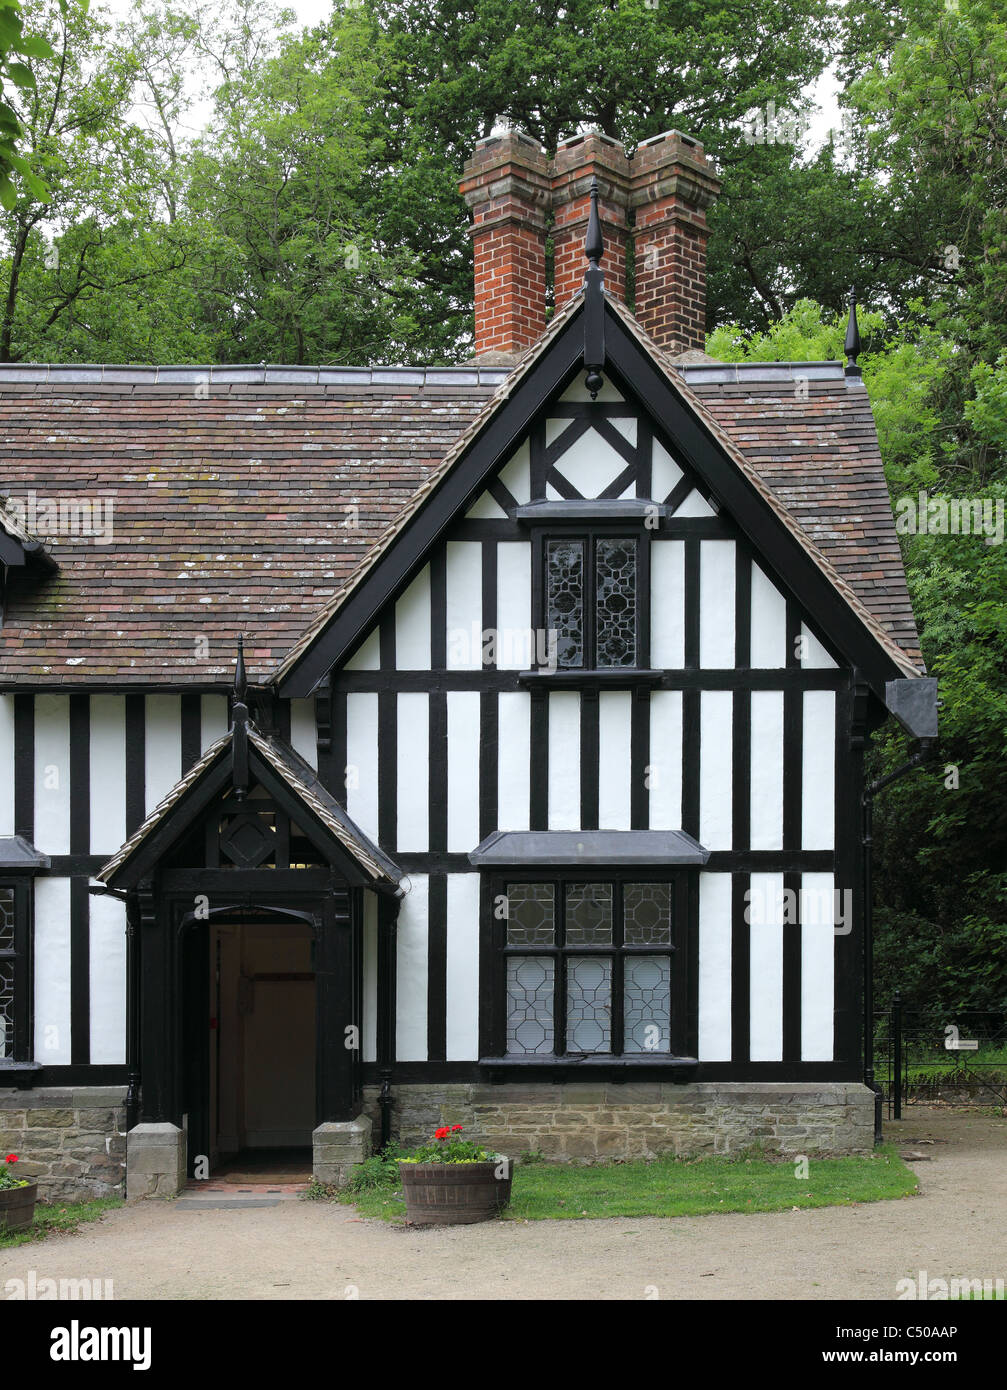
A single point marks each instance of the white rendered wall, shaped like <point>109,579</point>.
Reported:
<point>464,583</point>
<point>514,637</point>
<point>411,941</point>
<point>665,774</point>
<point>463,770</point>
<point>716,604</point>
<point>463,968</point>
<point>52,774</point>
<point>817,967</point>
<point>108,773</point>
<point>714,967</point>
<point>303,730</point>
<point>766,811</point>
<point>769,622</point>
<point>667,609</point>
<point>818,770</point>
<point>615,768</point>
<point>163,753</point>
<point>212,719</point>
<point>413,781</point>
<point>107,959</point>
<point>765,934</point>
<point>564,760</point>
<point>513,778</point>
<point>715,768</point>
<point>412,625</point>
<point>6,764</point>
<point>362,760</point>
<point>52,971</point>
<point>590,463</point>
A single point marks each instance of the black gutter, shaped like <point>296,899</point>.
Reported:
<point>923,752</point>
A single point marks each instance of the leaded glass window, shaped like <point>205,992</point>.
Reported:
<point>615,596</point>
<point>565,599</point>
<point>13,985</point>
<point>589,966</point>
<point>591,588</point>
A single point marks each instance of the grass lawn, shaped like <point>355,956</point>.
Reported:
<point>58,1218</point>
<point>677,1187</point>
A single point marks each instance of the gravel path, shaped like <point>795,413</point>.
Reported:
<point>956,1226</point>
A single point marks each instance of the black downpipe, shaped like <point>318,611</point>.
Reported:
<point>922,753</point>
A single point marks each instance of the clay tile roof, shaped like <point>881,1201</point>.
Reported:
<point>249,499</point>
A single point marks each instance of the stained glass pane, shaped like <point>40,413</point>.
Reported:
<point>589,914</point>
<point>646,1004</point>
<point>588,1004</point>
<point>615,562</point>
<point>6,919</point>
<point>647,911</point>
<point>565,599</point>
<point>530,986</point>
<point>531,914</point>
<point>6,1008</point>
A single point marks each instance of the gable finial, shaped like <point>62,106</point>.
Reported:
<point>852,344</point>
<point>594,245</point>
<point>594,298</point>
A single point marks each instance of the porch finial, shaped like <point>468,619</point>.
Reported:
<point>240,679</point>
<point>594,298</point>
<point>239,726</point>
<point>852,345</point>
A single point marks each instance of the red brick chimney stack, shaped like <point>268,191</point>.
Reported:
<point>673,185</point>
<point>506,183</point>
<point>511,187</point>
<point>577,160</point>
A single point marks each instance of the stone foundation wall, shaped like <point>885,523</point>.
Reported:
<point>584,1122</point>
<point>71,1139</point>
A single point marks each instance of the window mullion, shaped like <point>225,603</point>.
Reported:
<point>617,1020</point>
<point>590,605</point>
<point>559,1021</point>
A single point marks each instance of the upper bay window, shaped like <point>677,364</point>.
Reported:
<point>592,600</point>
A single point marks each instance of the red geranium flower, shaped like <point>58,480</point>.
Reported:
<point>441,1133</point>
<point>455,1128</point>
<point>11,1158</point>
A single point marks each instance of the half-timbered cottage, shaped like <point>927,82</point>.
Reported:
<point>532,802</point>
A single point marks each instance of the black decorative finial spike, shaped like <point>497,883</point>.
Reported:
<point>240,679</point>
<point>594,245</point>
<point>239,726</point>
<point>852,345</point>
<point>594,298</point>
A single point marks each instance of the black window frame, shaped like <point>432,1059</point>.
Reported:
<point>589,532</point>
<point>677,951</point>
<point>21,955</point>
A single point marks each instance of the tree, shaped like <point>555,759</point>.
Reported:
<point>628,68</point>
<point>941,835</point>
<point>15,45</point>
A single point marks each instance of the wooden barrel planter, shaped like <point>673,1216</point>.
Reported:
<point>17,1207</point>
<point>454,1194</point>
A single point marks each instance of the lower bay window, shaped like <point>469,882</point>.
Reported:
<point>590,965</point>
